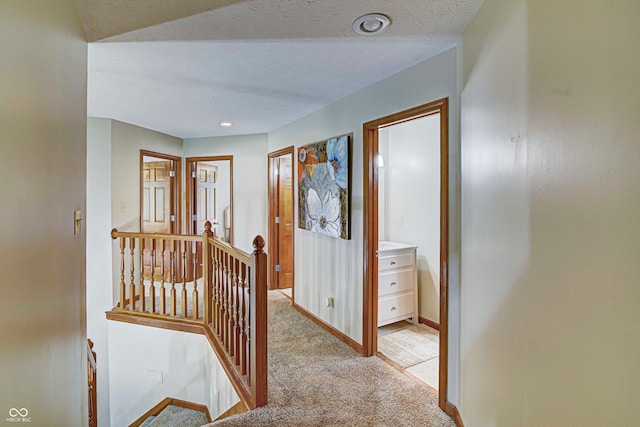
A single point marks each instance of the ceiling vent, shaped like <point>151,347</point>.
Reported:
<point>370,24</point>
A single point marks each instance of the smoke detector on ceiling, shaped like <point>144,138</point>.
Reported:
<point>370,24</point>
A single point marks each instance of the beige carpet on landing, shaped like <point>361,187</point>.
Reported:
<point>316,380</point>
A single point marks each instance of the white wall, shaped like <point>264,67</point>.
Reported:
<point>327,266</point>
<point>551,201</point>
<point>249,181</point>
<point>43,75</point>
<point>412,185</point>
<point>150,364</point>
<point>99,279</point>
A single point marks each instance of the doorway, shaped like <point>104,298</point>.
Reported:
<point>160,191</point>
<point>210,195</point>
<point>159,206</point>
<point>281,219</point>
<point>372,233</point>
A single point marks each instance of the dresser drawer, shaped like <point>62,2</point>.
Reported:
<point>394,281</point>
<point>391,262</point>
<point>395,307</point>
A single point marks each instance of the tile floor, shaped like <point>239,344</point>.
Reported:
<point>426,371</point>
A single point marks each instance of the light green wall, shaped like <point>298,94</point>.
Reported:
<point>551,201</point>
<point>43,74</point>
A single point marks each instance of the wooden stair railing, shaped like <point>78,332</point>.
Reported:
<point>159,274</point>
<point>235,314</point>
<point>92,371</point>
<point>227,301</point>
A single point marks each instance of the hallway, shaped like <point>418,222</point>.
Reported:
<point>316,380</point>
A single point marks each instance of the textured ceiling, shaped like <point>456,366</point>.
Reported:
<point>183,67</point>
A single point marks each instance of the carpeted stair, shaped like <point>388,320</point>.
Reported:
<point>176,416</point>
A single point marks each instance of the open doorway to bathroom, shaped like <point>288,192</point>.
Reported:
<point>406,242</point>
<point>409,246</point>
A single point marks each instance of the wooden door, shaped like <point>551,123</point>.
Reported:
<point>285,226</point>
<point>157,214</point>
<point>281,219</point>
<point>156,197</point>
<point>206,208</point>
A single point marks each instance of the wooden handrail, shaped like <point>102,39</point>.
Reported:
<point>178,237</point>
<point>231,285</point>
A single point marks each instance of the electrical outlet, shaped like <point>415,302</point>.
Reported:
<point>399,221</point>
<point>122,207</point>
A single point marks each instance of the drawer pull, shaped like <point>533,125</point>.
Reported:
<point>392,284</point>
<point>393,263</point>
<point>393,309</point>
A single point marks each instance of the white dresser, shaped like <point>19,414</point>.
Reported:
<point>397,282</point>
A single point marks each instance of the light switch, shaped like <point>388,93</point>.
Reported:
<point>399,221</point>
<point>77,221</point>
<point>122,207</point>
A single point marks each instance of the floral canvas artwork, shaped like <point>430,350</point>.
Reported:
<point>323,187</point>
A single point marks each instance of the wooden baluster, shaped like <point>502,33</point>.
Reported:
<point>143,299</point>
<point>232,306</point>
<point>225,295</point>
<point>243,323</point>
<point>229,304</point>
<point>132,285</point>
<point>194,294</point>
<point>206,277</point>
<point>214,287</point>
<point>218,294</point>
<point>93,385</point>
<point>172,264</point>
<point>249,316</point>
<point>163,292</point>
<point>123,287</point>
<point>216,290</point>
<point>258,326</point>
<point>183,296</point>
<point>152,288</point>
<point>237,311</point>
<point>220,301</point>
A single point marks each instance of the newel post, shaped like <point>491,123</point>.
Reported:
<point>207,272</point>
<point>258,325</point>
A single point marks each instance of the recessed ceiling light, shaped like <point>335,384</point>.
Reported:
<point>226,124</point>
<point>372,23</point>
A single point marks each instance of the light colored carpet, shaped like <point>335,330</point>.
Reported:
<point>316,380</point>
<point>173,416</point>
<point>409,346</point>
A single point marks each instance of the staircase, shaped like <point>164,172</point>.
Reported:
<point>173,413</point>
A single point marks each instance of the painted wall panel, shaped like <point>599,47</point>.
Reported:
<point>551,148</point>
<point>43,76</point>
<point>99,243</point>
